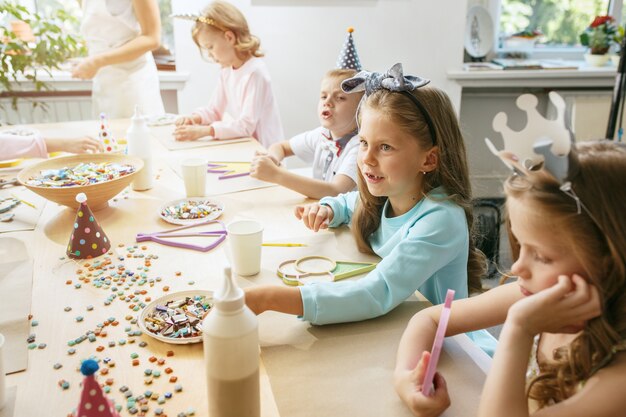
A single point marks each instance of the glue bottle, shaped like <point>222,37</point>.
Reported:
<point>231,354</point>
<point>138,137</point>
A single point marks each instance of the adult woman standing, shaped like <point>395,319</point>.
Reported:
<point>120,35</point>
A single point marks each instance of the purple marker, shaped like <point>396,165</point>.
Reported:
<point>427,385</point>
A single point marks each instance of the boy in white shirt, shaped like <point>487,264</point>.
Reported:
<point>332,147</point>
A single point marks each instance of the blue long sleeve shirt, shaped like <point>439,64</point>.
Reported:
<point>424,249</point>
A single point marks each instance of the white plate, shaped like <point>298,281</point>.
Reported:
<point>212,216</point>
<point>479,32</point>
<point>161,119</point>
<point>161,301</point>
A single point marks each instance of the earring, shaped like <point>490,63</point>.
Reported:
<point>424,172</point>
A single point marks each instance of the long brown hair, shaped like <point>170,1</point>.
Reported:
<point>222,16</point>
<point>597,238</point>
<point>451,172</point>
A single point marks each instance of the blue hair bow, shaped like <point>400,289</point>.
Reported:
<point>392,80</point>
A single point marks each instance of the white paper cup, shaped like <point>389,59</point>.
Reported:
<point>245,238</point>
<point>3,385</point>
<point>194,174</point>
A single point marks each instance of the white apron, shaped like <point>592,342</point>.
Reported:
<point>106,25</point>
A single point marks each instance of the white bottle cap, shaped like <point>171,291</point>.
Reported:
<point>231,298</point>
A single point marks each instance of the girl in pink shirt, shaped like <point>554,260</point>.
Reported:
<point>244,88</point>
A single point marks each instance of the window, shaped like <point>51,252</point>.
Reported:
<point>560,21</point>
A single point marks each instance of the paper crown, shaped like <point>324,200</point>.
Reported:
<point>542,140</point>
<point>109,143</point>
<point>93,402</point>
<point>87,240</point>
<point>198,18</point>
<point>348,57</point>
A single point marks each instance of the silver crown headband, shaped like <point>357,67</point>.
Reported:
<point>542,140</point>
<point>392,80</point>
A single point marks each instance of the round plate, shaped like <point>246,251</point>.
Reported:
<point>161,301</point>
<point>479,34</point>
<point>161,119</point>
<point>219,209</point>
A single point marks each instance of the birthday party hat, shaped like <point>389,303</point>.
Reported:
<point>88,240</point>
<point>109,143</point>
<point>93,402</point>
<point>348,58</point>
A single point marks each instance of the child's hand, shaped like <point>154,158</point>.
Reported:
<point>563,308</point>
<point>192,132</point>
<point>74,145</point>
<point>408,385</point>
<point>315,216</point>
<point>270,156</point>
<point>264,168</point>
<point>194,119</point>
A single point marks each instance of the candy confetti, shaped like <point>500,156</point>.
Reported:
<point>178,318</point>
<point>82,174</point>
<point>191,210</point>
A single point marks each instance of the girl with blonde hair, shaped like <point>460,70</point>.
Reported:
<point>245,88</point>
<point>413,208</point>
<point>567,310</point>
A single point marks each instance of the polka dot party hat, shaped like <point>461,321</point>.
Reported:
<point>109,144</point>
<point>348,58</point>
<point>93,402</point>
<point>88,240</point>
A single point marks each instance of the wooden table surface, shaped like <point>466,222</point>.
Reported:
<point>36,390</point>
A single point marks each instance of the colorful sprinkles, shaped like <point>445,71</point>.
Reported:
<point>82,174</point>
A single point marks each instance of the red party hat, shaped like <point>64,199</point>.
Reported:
<point>88,240</point>
<point>93,402</point>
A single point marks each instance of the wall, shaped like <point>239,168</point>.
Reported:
<point>302,39</point>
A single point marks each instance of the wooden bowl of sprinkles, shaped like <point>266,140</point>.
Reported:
<point>98,194</point>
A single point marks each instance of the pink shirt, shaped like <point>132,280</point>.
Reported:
<point>16,146</point>
<point>246,94</point>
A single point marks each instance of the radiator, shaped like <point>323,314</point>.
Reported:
<point>54,109</point>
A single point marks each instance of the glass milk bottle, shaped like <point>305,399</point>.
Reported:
<point>231,354</point>
<point>138,138</point>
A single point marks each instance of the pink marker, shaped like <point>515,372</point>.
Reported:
<point>427,386</point>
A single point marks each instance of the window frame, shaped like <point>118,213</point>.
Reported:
<point>557,52</point>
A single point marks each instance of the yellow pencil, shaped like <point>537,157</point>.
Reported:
<point>23,201</point>
<point>284,244</point>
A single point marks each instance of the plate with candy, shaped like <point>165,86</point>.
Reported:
<point>177,318</point>
<point>191,210</point>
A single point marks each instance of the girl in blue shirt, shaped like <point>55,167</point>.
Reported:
<point>413,208</point>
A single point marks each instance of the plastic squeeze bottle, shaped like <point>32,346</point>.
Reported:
<point>231,354</point>
<point>138,138</point>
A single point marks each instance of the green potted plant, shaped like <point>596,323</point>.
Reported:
<point>31,44</point>
<point>598,37</point>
